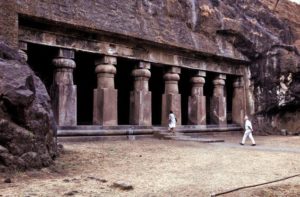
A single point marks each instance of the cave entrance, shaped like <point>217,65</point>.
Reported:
<point>85,80</point>
<point>208,92</point>
<point>124,84</point>
<point>156,86</point>
<point>229,95</point>
<point>185,91</point>
<point>40,61</point>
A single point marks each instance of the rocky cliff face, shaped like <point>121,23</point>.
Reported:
<point>274,61</point>
<point>27,126</point>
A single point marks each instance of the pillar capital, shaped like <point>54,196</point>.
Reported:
<point>198,80</point>
<point>171,77</point>
<point>141,78</point>
<point>141,72</point>
<point>106,68</point>
<point>174,69</point>
<point>200,73</point>
<point>64,63</point>
<point>142,64</point>
<point>219,82</point>
<point>106,60</point>
<point>221,76</point>
<point>65,53</point>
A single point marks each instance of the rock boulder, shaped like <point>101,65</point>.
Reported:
<point>27,127</point>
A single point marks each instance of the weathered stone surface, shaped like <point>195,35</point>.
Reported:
<point>105,107</point>
<point>27,127</point>
<point>232,29</point>
<point>140,108</point>
<point>197,110</point>
<point>238,102</point>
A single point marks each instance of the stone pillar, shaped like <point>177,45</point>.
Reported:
<point>105,96</point>
<point>218,112</point>
<point>171,99</point>
<point>23,50</point>
<point>238,98</point>
<point>197,100</point>
<point>63,91</point>
<point>140,97</point>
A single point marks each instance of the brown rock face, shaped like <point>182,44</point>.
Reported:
<point>27,127</point>
<point>275,62</point>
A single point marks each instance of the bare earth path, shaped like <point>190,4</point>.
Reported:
<point>165,168</point>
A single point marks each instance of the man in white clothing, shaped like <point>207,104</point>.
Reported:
<point>248,132</point>
<point>172,122</point>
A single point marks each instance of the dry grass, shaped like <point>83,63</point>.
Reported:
<point>164,168</point>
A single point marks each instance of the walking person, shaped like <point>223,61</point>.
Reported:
<point>248,132</point>
<point>172,122</point>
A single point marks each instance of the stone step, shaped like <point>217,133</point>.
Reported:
<point>83,139</point>
<point>182,137</point>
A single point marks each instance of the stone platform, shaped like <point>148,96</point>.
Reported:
<point>132,132</point>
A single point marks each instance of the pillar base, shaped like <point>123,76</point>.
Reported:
<point>140,108</point>
<point>105,107</point>
<point>64,99</point>
<point>197,110</point>
<point>171,102</point>
<point>218,112</point>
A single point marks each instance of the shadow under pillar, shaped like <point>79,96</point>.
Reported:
<point>105,110</point>
<point>63,91</point>
<point>171,99</point>
<point>140,97</point>
<point>218,111</point>
<point>238,98</point>
<point>197,101</point>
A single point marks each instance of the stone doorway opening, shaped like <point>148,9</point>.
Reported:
<point>40,61</point>
<point>185,91</point>
<point>86,81</point>
<point>124,84</point>
<point>156,86</point>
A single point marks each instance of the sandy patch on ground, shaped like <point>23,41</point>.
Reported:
<point>165,168</point>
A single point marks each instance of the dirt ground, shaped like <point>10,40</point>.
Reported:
<point>165,168</point>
